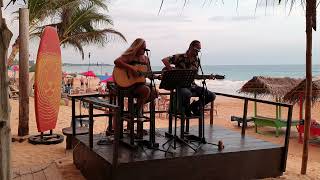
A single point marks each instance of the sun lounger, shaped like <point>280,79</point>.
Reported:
<point>272,122</point>
<point>13,92</point>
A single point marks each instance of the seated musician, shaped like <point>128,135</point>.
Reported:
<point>190,60</point>
<point>134,55</point>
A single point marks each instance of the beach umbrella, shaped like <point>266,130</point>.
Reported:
<point>15,68</point>
<point>110,79</point>
<point>103,77</point>
<point>64,74</point>
<point>89,74</point>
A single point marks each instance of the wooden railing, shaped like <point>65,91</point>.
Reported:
<point>92,99</point>
<point>244,120</point>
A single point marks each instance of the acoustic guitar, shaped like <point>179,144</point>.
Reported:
<point>125,78</point>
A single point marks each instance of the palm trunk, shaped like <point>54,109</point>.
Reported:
<point>5,131</point>
<point>23,128</point>
<point>310,14</point>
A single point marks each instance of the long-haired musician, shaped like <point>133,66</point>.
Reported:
<point>190,60</point>
<point>132,56</point>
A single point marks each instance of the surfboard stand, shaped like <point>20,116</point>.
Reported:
<point>47,139</point>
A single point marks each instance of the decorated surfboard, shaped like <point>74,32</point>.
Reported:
<point>48,76</point>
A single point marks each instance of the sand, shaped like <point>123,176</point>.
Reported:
<point>26,155</point>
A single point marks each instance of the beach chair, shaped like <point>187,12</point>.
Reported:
<point>278,123</point>
<point>162,104</point>
<point>13,92</point>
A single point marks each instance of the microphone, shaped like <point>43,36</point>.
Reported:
<point>146,49</point>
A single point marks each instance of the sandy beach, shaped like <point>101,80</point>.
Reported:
<point>26,155</point>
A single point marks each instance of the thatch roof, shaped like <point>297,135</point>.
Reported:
<point>262,86</point>
<point>294,94</point>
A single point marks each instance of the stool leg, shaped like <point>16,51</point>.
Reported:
<point>131,121</point>
<point>140,129</point>
<point>187,125</point>
<point>170,112</point>
<point>110,116</point>
<point>120,102</point>
<point>200,125</point>
<point>182,125</point>
<point>152,123</point>
<point>69,142</point>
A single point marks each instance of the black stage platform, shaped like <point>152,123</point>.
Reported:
<point>242,158</point>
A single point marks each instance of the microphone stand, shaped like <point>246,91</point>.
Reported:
<point>151,144</point>
<point>204,91</point>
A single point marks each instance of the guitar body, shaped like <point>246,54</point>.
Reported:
<point>125,78</point>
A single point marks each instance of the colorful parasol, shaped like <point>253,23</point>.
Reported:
<point>89,74</point>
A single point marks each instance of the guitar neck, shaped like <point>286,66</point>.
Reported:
<point>211,76</point>
<point>150,73</point>
<point>204,77</point>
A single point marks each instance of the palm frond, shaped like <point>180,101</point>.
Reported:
<point>100,37</point>
<point>77,45</point>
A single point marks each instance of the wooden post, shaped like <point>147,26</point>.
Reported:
<point>255,105</point>
<point>301,106</point>
<point>5,131</point>
<point>244,118</point>
<point>23,128</point>
<point>211,113</point>
<point>277,109</point>
<point>310,19</point>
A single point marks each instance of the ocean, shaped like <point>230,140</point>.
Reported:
<point>235,75</point>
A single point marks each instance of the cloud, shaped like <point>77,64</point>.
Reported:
<point>139,17</point>
<point>231,18</point>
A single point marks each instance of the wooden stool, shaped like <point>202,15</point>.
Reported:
<point>185,120</point>
<point>68,132</point>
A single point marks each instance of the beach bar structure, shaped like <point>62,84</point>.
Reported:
<point>275,87</point>
<point>297,95</point>
<point>240,159</point>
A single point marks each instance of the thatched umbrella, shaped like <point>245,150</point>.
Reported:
<point>297,94</point>
<point>274,86</point>
<point>277,87</point>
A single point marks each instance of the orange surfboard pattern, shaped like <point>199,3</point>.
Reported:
<point>48,79</point>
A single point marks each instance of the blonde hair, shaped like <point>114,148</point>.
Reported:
<point>134,47</point>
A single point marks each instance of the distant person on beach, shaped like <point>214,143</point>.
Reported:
<point>134,55</point>
<point>87,83</point>
<point>81,82</point>
<point>72,80</point>
<point>190,60</point>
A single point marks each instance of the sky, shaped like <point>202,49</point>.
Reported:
<point>271,34</point>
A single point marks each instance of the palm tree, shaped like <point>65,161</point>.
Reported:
<point>76,27</point>
<point>76,21</point>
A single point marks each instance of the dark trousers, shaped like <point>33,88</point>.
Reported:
<point>185,95</point>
